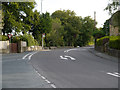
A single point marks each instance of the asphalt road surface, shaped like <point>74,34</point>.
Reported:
<point>76,68</point>
<point>60,68</point>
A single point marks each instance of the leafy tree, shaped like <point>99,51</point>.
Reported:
<point>87,29</point>
<point>55,36</point>
<point>17,16</point>
<point>106,28</point>
<point>112,6</point>
<point>42,24</point>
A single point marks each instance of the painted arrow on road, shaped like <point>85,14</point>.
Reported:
<point>66,57</point>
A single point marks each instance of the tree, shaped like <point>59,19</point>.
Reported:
<point>87,29</point>
<point>42,24</point>
<point>106,28</point>
<point>17,16</point>
<point>55,36</point>
<point>112,6</point>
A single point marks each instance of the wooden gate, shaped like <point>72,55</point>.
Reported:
<point>13,48</point>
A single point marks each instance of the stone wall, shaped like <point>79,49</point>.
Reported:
<point>22,46</point>
<point>114,31</point>
<point>109,51</point>
<point>34,48</point>
<point>4,46</point>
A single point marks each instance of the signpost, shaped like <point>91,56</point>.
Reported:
<point>43,36</point>
<point>9,36</point>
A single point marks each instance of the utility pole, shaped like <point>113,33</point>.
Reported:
<point>95,18</point>
<point>41,6</point>
<point>95,27</point>
<point>42,34</point>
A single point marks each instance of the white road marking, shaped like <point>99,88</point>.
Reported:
<point>26,55</point>
<point>69,50</point>
<point>48,81</point>
<point>43,77</point>
<point>115,74</point>
<point>70,57</point>
<point>73,50</point>
<point>31,55</point>
<point>53,85</point>
<point>63,58</point>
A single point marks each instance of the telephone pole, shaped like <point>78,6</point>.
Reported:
<point>95,18</point>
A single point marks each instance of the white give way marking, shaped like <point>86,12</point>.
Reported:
<point>115,74</point>
<point>66,57</point>
<point>29,55</point>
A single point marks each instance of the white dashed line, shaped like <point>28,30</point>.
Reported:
<point>46,80</point>
<point>52,85</point>
<point>43,77</point>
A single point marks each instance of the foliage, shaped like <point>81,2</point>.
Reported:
<point>114,42</point>
<point>26,37</point>
<point>17,16</point>
<point>106,28</point>
<point>102,41</point>
<point>55,37</point>
<point>98,33</point>
<point>42,24</point>
<point>3,38</point>
<point>77,30</point>
<point>112,6</point>
<point>29,39</point>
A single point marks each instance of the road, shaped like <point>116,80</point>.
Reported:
<point>61,68</point>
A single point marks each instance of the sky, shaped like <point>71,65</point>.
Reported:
<point>80,7</point>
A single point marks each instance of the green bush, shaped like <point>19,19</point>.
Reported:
<point>15,39</point>
<point>114,42</point>
<point>3,38</point>
<point>102,41</point>
<point>98,34</point>
<point>29,39</point>
<point>26,37</point>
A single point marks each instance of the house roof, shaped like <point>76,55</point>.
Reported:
<point>115,19</point>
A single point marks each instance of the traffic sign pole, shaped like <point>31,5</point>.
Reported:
<point>43,35</point>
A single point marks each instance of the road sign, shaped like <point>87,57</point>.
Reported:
<point>9,35</point>
<point>43,34</point>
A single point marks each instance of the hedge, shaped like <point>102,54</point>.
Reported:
<point>102,41</point>
<point>3,38</point>
<point>26,37</point>
<point>114,41</point>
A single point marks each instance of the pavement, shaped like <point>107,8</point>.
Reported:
<point>102,55</point>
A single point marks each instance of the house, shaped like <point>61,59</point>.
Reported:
<point>115,24</point>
